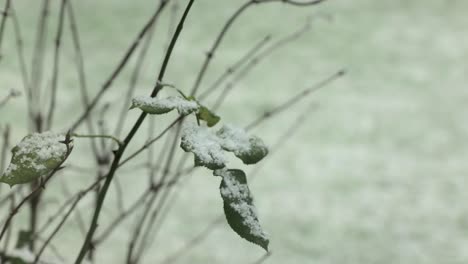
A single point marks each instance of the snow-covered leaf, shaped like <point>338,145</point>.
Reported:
<point>209,117</point>
<point>238,207</point>
<point>35,156</point>
<point>250,149</point>
<point>205,145</point>
<point>158,106</point>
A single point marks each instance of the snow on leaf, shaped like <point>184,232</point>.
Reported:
<point>250,149</point>
<point>158,106</point>
<point>35,156</point>
<point>204,145</point>
<point>240,212</point>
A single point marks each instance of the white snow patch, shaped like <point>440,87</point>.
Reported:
<point>204,144</point>
<point>36,149</point>
<point>234,138</point>
<point>183,106</point>
<point>45,145</point>
<point>23,253</point>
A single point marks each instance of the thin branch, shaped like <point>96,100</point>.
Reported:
<point>5,147</point>
<point>77,198</point>
<point>230,70</point>
<point>13,93</point>
<point>121,65</point>
<point>233,68</point>
<point>254,61</point>
<point>150,142</point>
<point>121,150</point>
<point>37,64</point>
<point>134,80</point>
<point>116,140</point>
<point>80,68</point>
<point>139,227</point>
<point>263,258</point>
<point>294,99</point>
<point>5,12</point>
<point>55,73</point>
<point>210,54</point>
<point>22,62</point>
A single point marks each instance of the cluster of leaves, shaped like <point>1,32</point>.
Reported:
<point>209,149</point>
<point>39,154</point>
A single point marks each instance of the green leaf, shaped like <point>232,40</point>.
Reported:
<point>206,115</point>
<point>204,145</point>
<point>24,236</point>
<point>238,207</point>
<point>255,153</point>
<point>159,106</point>
<point>250,149</point>
<point>35,156</point>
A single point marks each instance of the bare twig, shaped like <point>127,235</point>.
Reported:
<point>55,73</point>
<point>227,26</point>
<point>294,99</point>
<point>233,68</point>
<point>121,65</point>
<point>3,23</point>
<point>121,150</point>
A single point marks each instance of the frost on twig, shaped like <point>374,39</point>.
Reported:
<point>35,156</point>
<point>240,212</point>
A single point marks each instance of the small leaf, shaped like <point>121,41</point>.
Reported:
<point>159,106</point>
<point>35,156</point>
<point>209,117</point>
<point>24,236</point>
<point>238,207</point>
<point>250,149</point>
<point>255,153</point>
<point>204,145</point>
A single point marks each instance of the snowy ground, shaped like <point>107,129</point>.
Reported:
<point>376,175</point>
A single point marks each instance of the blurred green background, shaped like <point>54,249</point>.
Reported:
<point>376,175</point>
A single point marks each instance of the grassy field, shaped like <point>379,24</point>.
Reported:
<point>376,175</point>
